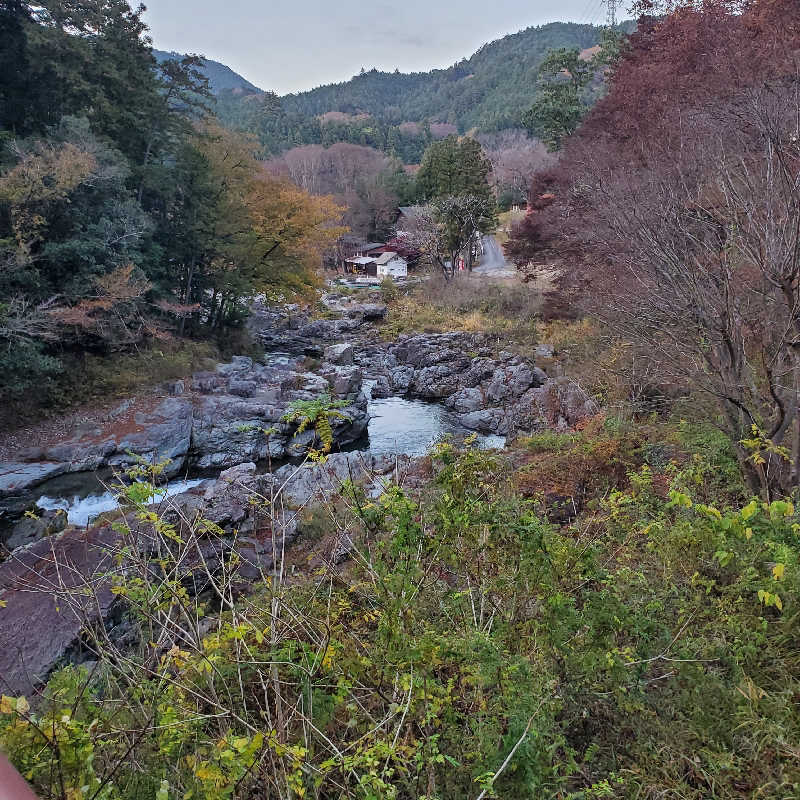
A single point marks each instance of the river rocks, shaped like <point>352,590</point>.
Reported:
<point>343,381</point>
<point>296,332</point>
<point>368,312</point>
<point>19,480</point>
<point>465,401</point>
<point>459,369</point>
<point>155,434</point>
<point>37,628</point>
<point>340,354</point>
<point>560,404</point>
<point>488,420</point>
<point>381,388</point>
<point>32,528</point>
<point>400,379</point>
<point>299,486</point>
<point>234,414</point>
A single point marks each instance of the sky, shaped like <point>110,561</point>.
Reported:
<point>291,45</point>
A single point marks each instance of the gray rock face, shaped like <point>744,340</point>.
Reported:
<point>466,401</point>
<point>31,529</point>
<point>229,430</point>
<point>560,403</point>
<point>37,630</point>
<point>457,368</point>
<point>19,480</point>
<point>299,486</point>
<point>343,381</point>
<point>235,415</point>
<point>42,622</point>
<point>160,433</point>
<point>401,378</point>
<point>381,388</point>
<point>342,354</point>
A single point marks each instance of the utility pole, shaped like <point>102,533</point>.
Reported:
<point>611,13</point>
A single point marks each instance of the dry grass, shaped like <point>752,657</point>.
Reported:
<point>506,221</point>
<point>506,309</point>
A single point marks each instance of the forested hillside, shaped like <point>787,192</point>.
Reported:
<point>484,91</point>
<point>219,76</point>
<point>398,113</point>
<point>128,215</point>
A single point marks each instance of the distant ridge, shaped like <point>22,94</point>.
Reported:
<point>401,113</point>
<point>220,77</point>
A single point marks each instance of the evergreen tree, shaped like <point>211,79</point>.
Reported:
<point>454,166</point>
<point>14,67</point>
<point>559,106</point>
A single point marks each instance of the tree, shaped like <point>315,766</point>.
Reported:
<point>14,67</point>
<point>240,230</point>
<point>559,107</point>
<point>454,166</point>
<point>447,228</point>
<point>676,205</point>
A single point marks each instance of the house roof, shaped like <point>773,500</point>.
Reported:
<point>387,257</point>
<point>409,211</point>
<point>360,260</point>
<point>371,246</point>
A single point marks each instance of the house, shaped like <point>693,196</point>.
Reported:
<point>391,265</point>
<point>373,249</point>
<point>366,265</point>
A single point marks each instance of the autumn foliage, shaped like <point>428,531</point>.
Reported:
<point>676,210</point>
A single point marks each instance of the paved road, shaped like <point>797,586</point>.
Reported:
<point>493,262</point>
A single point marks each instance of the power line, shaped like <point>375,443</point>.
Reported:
<point>611,13</point>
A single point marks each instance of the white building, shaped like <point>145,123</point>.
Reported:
<point>392,265</point>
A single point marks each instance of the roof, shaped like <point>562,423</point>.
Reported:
<point>360,260</point>
<point>387,257</point>
<point>410,211</point>
<point>371,246</point>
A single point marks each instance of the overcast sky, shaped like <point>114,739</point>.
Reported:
<point>291,45</point>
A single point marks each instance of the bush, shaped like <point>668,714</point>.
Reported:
<point>473,647</point>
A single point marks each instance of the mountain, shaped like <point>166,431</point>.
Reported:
<point>487,90</point>
<point>401,113</point>
<point>220,77</point>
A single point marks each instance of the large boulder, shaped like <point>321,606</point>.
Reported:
<point>18,482</point>
<point>488,420</point>
<point>45,607</point>
<point>560,403</point>
<point>343,381</point>
<point>342,354</point>
<point>466,401</point>
<point>32,528</point>
<point>229,430</point>
<point>299,486</point>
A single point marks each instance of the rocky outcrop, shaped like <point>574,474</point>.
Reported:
<point>53,589</point>
<point>292,331</point>
<point>19,480</point>
<point>33,528</point>
<point>231,415</point>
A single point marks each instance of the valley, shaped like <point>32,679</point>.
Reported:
<point>425,436</point>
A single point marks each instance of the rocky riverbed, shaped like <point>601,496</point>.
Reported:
<point>228,429</point>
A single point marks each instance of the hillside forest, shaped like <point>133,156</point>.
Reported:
<point>588,587</point>
<point>124,204</point>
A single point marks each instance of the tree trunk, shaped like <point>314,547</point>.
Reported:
<point>187,294</point>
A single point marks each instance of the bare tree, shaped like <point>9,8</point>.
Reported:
<point>705,274</point>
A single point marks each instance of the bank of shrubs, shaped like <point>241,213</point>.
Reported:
<point>470,648</point>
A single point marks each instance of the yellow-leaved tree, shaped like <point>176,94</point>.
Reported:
<point>266,236</point>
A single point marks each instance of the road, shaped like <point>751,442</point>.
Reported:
<point>493,262</point>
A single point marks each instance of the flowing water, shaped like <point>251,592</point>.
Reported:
<point>85,503</point>
<point>398,426</point>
